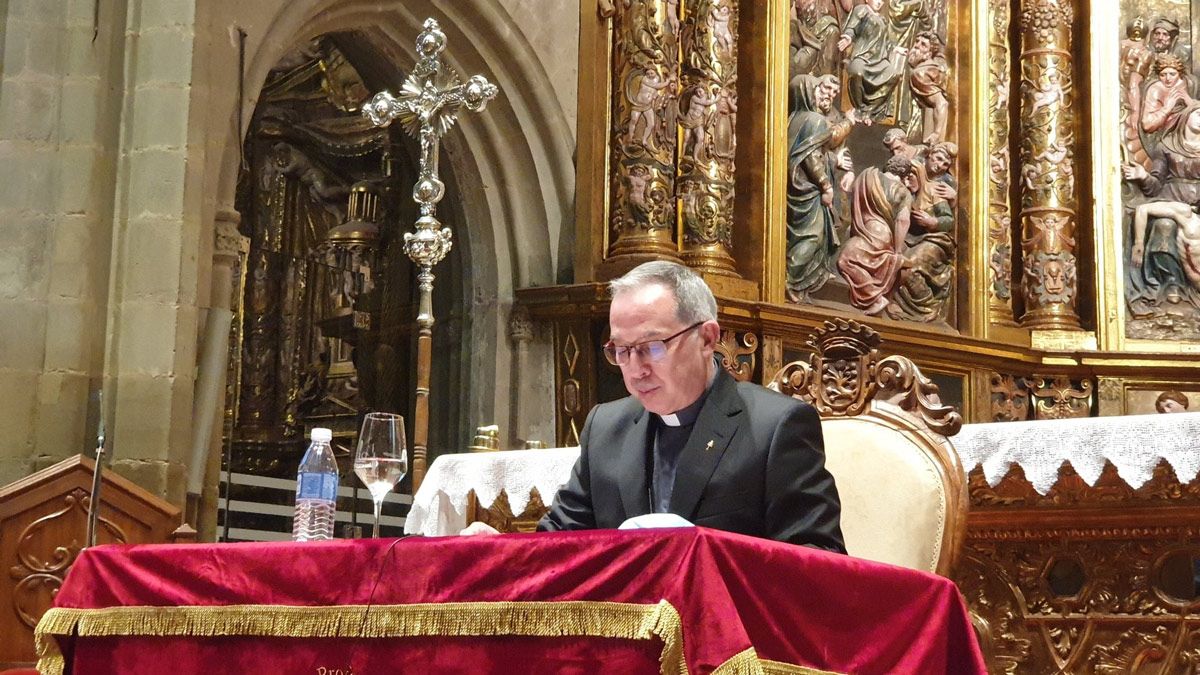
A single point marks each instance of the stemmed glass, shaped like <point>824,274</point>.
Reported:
<point>380,461</point>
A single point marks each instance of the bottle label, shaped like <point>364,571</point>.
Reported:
<point>317,486</point>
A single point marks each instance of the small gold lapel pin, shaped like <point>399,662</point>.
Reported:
<point>709,446</point>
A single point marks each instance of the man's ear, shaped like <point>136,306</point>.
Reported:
<point>711,332</point>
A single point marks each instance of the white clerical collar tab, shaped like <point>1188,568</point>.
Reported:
<point>671,420</point>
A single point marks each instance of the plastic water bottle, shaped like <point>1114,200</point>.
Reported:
<point>316,490</point>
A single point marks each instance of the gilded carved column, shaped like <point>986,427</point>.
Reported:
<point>707,116</point>
<point>1000,176</point>
<point>1048,199</point>
<point>643,142</point>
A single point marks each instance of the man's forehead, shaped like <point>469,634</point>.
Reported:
<point>650,293</point>
<point>642,312</point>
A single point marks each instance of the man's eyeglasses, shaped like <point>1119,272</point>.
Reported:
<point>650,350</point>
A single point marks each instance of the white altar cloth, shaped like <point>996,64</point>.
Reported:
<point>1133,443</point>
<point>440,505</point>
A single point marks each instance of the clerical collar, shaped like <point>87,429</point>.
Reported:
<point>688,415</point>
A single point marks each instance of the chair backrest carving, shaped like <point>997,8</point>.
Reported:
<point>904,498</point>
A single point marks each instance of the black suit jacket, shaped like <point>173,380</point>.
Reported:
<point>754,464</point>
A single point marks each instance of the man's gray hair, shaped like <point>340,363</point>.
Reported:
<point>694,301</point>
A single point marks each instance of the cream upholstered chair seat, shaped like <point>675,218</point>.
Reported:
<point>900,482</point>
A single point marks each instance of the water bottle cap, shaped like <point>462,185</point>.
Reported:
<point>321,434</point>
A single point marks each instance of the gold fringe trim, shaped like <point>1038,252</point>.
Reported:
<point>745,662</point>
<point>50,657</point>
<point>781,668</point>
<point>536,619</point>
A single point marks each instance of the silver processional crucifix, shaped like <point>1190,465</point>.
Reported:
<point>427,108</point>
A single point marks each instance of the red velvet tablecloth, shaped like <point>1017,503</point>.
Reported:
<point>690,600</point>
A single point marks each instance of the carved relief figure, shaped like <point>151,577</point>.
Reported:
<point>719,19</point>
<point>1165,98</point>
<point>1161,273</point>
<point>871,259</point>
<point>875,62</point>
<point>1187,235</point>
<point>896,141</point>
<point>927,80</point>
<point>1050,91</point>
<point>638,178</point>
<point>905,20</point>
<point>1171,401</point>
<point>645,92</point>
<point>925,278</point>
<point>1164,38</point>
<point>938,162</point>
<point>724,140</point>
<point>811,239</point>
<point>812,39</point>
<point>695,121</point>
<point>890,57</point>
<point>1136,62</point>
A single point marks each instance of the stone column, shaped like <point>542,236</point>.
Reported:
<point>1000,279</point>
<point>707,119</point>
<point>643,142</point>
<point>1048,194</point>
<point>520,331</point>
<point>208,406</point>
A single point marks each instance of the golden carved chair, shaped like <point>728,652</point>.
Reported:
<point>903,492</point>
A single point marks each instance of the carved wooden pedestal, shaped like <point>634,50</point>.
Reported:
<point>1085,579</point>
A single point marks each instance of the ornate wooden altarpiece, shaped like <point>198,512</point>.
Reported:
<point>717,132</point>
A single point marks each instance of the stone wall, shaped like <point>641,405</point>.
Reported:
<point>59,146</point>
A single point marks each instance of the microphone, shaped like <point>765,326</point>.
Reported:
<point>94,501</point>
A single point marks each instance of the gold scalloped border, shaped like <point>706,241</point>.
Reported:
<point>536,619</point>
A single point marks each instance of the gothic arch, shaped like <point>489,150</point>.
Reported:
<point>513,163</point>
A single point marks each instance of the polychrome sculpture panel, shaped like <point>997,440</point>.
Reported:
<point>1160,170</point>
<point>872,195</point>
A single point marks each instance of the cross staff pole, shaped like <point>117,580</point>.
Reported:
<point>427,107</point>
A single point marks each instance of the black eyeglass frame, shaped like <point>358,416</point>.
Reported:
<point>612,355</point>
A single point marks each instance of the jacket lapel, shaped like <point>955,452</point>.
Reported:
<point>715,427</point>
<point>632,468</point>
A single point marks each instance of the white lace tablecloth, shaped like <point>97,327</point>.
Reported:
<point>440,506</point>
<point>1133,443</point>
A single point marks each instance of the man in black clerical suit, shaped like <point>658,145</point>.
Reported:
<point>691,440</point>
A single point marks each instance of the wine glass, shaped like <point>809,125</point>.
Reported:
<point>380,461</point>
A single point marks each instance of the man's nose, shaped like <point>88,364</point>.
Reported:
<point>639,362</point>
